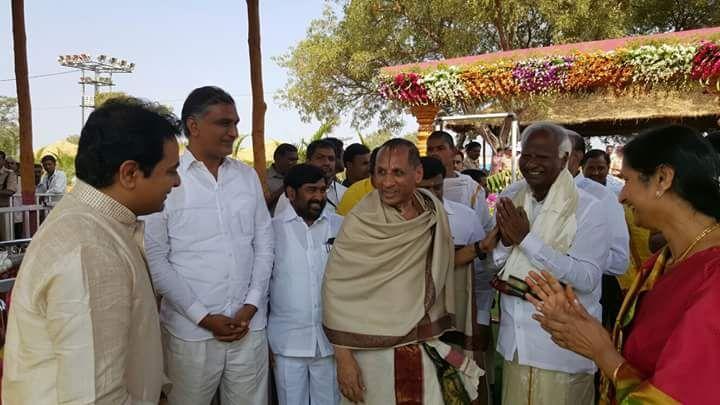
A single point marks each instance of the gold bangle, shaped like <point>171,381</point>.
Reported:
<point>615,372</point>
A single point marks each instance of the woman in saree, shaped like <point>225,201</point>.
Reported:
<point>665,345</point>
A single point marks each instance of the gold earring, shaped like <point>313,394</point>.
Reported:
<point>658,194</point>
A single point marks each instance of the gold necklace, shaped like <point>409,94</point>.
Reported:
<point>700,237</point>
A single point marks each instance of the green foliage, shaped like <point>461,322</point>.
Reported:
<point>650,16</point>
<point>66,163</point>
<point>9,130</point>
<point>237,145</point>
<point>332,71</point>
<point>375,139</point>
<point>499,181</point>
<point>325,129</point>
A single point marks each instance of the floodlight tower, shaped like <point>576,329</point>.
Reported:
<point>100,72</point>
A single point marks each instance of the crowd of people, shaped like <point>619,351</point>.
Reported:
<point>50,185</point>
<point>178,275</point>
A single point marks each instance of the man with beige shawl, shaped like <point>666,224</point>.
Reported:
<point>388,293</point>
<point>547,223</point>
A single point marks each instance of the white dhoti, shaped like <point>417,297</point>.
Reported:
<point>525,385</point>
<point>306,380</point>
<point>378,373</point>
<point>197,369</point>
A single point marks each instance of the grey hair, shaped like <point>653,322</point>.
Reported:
<point>200,100</point>
<point>556,131</point>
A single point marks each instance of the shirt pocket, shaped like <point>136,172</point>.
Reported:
<point>242,216</point>
<point>194,223</point>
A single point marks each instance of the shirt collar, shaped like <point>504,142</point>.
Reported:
<point>188,159</point>
<point>103,203</point>
<point>272,171</point>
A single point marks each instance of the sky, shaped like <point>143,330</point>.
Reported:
<point>176,46</point>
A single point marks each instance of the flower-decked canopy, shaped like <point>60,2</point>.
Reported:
<point>608,87</point>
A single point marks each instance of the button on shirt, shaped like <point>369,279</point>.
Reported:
<point>613,212</point>
<point>295,319</point>
<point>210,251</point>
<point>581,267</point>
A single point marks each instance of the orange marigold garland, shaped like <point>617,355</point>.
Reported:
<point>486,82</point>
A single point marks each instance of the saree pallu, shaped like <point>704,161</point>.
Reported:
<point>669,334</point>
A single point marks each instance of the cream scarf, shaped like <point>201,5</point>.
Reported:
<point>556,224</point>
<point>389,281</point>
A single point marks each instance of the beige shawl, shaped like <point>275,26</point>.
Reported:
<point>556,224</point>
<point>389,281</point>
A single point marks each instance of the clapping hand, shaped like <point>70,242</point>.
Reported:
<point>561,314</point>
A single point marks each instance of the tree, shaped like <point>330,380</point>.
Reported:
<point>650,16</point>
<point>9,139</point>
<point>322,132</point>
<point>332,71</point>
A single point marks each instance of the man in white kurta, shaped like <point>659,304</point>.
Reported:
<point>321,154</point>
<point>83,326</point>
<point>304,361</point>
<point>557,230</point>
<point>210,253</point>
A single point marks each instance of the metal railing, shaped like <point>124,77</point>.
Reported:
<point>9,216</point>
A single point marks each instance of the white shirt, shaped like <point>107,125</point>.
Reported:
<point>335,192</point>
<point>210,251</point>
<point>614,184</point>
<point>464,190</point>
<point>54,184</point>
<point>466,229</point>
<point>295,320</point>
<point>581,267</point>
<point>617,260</point>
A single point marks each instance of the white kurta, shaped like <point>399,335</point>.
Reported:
<point>581,267</point>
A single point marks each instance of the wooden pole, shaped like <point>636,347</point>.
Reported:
<point>27,159</point>
<point>258,104</point>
